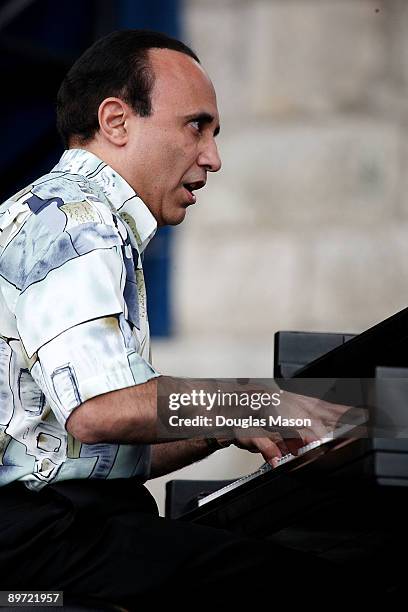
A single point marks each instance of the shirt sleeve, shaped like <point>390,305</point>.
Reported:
<point>73,319</point>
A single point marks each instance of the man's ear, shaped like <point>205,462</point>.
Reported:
<point>112,115</point>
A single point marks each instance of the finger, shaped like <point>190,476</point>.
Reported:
<point>277,437</point>
<point>318,430</point>
<point>288,439</point>
<point>309,435</point>
<point>295,438</point>
<point>293,444</point>
<point>267,448</point>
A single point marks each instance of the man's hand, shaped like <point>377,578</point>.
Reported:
<point>264,444</point>
<point>323,416</point>
<point>271,444</point>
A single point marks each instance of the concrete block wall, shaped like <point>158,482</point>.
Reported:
<point>306,225</point>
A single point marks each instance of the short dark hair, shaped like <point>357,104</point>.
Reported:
<point>116,65</point>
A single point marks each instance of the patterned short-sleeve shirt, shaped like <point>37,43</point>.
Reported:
<point>73,320</point>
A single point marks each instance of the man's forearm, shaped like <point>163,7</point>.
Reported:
<point>131,415</point>
<point>170,456</point>
<point>136,415</point>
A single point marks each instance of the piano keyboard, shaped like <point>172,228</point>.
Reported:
<point>266,467</point>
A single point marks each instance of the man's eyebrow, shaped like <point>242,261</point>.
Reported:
<point>204,118</point>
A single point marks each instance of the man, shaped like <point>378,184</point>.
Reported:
<point>78,413</point>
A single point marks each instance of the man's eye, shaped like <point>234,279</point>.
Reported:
<point>196,125</point>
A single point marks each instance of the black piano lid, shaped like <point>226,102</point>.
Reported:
<point>384,344</point>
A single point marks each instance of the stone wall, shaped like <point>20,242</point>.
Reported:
<point>306,225</point>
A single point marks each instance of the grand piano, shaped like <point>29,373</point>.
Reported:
<point>344,499</point>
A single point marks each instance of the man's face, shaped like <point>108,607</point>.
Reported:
<point>170,152</point>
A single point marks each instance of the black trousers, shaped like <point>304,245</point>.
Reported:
<point>105,539</point>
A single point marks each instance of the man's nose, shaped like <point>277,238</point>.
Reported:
<point>209,157</point>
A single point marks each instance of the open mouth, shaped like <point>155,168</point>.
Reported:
<point>191,187</point>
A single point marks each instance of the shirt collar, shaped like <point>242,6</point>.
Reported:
<point>124,199</point>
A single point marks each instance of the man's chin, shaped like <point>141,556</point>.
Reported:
<point>175,217</point>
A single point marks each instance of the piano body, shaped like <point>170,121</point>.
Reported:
<point>345,500</point>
